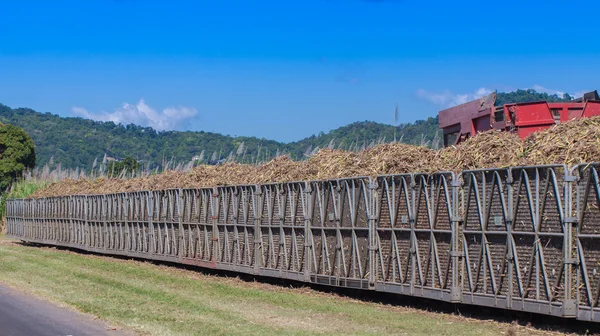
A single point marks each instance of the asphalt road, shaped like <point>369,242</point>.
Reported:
<point>24,315</point>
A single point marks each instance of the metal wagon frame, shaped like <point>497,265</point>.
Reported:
<point>516,238</point>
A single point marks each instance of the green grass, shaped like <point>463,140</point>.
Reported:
<point>20,189</point>
<point>23,189</point>
<point>161,300</point>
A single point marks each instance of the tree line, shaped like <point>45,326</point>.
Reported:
<point>79,143</point>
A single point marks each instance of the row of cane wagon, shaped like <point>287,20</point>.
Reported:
<point>519,238</point>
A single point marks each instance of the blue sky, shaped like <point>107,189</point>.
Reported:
<point>286,69</point>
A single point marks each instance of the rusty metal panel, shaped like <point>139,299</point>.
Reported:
<point>235,222</point>
<point>416,249</point>
<point>485,235</point>
<point>339,232</point>
<point>94,221</point>
<point>227,238</point>
<point>538,232</point>
<point>197,224</point>
<point>40,218</point>
<point>78,218</point>
<point>395,217</point>
<point>588,241</point>
<point>282,227</point>
<point>112,236</point>
<point>65,234</point>
<point>166,221</point>
<point>46,216</point>
<point>126,215</point>
<point>116,206</point>
<point>129,220</point>
<point>160,234</point>
<point>135,220</point>
<point>14,218</point>
<point>432,232</point>
<point>30,225</point>
<point>514,239</point>
<point>28,219</point>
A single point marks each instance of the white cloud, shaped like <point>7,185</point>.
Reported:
<point>449,99</point>
<point>540,88</point>
<point>576,94</point>
<point>142,114</point>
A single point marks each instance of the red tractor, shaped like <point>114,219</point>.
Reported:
<point>462,121</point>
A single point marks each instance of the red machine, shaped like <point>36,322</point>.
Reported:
<point>462,121</point>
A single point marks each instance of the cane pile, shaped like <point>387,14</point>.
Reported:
<point>568,143</point>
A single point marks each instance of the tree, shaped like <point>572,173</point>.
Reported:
<point>17,153</point>
<point>129,165</point>
<point>527,96</point>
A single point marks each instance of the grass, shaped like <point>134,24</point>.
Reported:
<point>19,189</point>
<point>161,300</point>
<point>23,189</point>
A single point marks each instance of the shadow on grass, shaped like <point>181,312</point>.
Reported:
<point>538,321</point>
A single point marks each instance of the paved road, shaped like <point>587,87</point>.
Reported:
<point>23,315</point>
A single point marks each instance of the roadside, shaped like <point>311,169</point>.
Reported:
<point>22,314</point>
<point>162,300</point>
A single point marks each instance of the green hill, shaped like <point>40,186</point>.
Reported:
<point>365,133</point>
<point>77,142</point>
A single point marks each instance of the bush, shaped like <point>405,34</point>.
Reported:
<point>127,166</point>
<point>17,153</point>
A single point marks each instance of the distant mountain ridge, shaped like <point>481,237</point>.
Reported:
<point>77,142</point>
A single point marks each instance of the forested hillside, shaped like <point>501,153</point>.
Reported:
<point>365,133</point>
<point>527,96</point>
<point>77,142</point>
